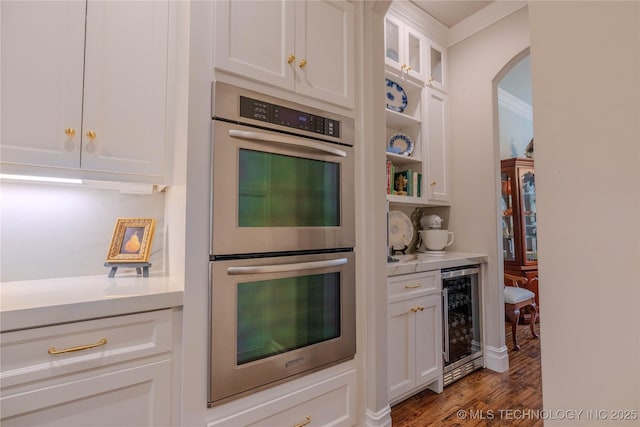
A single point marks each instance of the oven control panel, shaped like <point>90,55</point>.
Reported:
<point>279,115</point>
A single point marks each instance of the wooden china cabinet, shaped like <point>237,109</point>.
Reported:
<point>519,227</point>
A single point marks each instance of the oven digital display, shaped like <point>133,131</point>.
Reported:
<point>279,115</point>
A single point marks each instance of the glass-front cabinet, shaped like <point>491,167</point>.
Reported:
<point>519,226</point>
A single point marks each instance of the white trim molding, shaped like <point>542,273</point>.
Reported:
<point>496,359</point>
<point>381,418</point>
<point>515,104</point>
<point>482,19</point>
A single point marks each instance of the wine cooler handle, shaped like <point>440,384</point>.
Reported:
<point>279,268</point>
<point>279,139</point>
<point>445,324</point>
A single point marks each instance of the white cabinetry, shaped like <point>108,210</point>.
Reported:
<point>437,148</point>
<point>414,333</point>
<point>437,59</point>
<point>302,46</point>
<point>84,86</point>
<point>417,64</point>
<point>404,49</point>
<point>330,402</point>
<point>115,371</point>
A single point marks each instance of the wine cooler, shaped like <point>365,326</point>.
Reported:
<point>462,336</point>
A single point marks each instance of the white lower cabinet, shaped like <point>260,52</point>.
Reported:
<point>330,402</point>
<point>414,332</point>
<point>114,371</point>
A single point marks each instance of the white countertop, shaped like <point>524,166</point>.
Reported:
<point>32,303</point>
<point>418,262</point>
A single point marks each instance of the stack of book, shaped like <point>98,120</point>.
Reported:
<point>403,183</point>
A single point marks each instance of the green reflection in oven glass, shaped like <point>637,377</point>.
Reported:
<point>286,191</point>
<point>279,315</point>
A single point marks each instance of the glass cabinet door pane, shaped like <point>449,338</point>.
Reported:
<point>506,201</point>
<point>413,54</point>
<point>529,215</point>
<point>436,65</point>
<point>392,40</point>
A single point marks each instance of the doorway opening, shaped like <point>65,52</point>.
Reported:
<point>517,211</point>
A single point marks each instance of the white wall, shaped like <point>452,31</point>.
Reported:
<point>50,231</point>
<point>586,89</point>
<point>473,65</point>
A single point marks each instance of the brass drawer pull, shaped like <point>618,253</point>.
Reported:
<point>305,422</point>
<point>412,286</point>
<point>53,350</point>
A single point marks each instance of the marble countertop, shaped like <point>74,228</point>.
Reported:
<point>33,303</point>
<point>418,262</point>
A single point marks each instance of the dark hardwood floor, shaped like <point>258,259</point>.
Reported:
<point>484,398</point>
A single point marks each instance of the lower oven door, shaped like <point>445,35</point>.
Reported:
<point>276,318</point>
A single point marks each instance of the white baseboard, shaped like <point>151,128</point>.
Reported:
<point>496,359</point>
<point>381,418</point>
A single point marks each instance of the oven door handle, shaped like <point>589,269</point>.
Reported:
<point>279,139</point>
<point>279,268</point>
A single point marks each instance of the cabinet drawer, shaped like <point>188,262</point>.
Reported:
<point>27,355</point>
<point>413,285</point>
<point>328,403</point>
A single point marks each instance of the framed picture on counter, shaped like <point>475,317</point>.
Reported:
<point>131,240</point>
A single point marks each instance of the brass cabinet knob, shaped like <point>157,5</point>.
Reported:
<point>432,183</point>
<point>91,135</point>
<point>403,67</point>
<point>290,59</point>
<point>430,80</point>
<point>408,68</point>
<point>70,132</point>
<point>303,63</point>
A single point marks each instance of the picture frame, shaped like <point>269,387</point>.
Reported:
<point>131,240</point>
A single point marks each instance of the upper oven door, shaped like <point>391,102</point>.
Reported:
<point>275,192</point>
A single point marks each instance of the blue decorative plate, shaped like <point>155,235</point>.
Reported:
<point>396,96</point>
<point>403,142</point>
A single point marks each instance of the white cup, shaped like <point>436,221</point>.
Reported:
<point>436,240</point>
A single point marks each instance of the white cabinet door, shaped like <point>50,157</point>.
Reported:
<point>437,68</point>
<point>401,343</point>
<point>302,46</point>
<point>255,39</point>
<point>139,396</point>
<point>429,340</point>
<point>404,49</point>
<point>86,92</point>
<point>438,173</point>
<point>325,42</point>
<point>125,95</point>
<point>41,82</point>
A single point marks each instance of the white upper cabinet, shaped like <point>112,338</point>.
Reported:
<point>437,57</point>
<point>438,158</point>
<point>94,100</point>
<point>302,46</point>
<point>404,49</point>
<point>42,68</point>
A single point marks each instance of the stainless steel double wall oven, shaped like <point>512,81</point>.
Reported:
<point>282,274</point>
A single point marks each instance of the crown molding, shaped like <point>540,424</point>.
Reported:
<point>482,19</point>
<point>515,104</point>
<point>420,20</point>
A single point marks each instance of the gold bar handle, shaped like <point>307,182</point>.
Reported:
<point>53,350</point>
<point>305,422</point>
<point>412,286</point>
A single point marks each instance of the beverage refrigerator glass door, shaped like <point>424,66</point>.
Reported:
<point>462,338</point>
